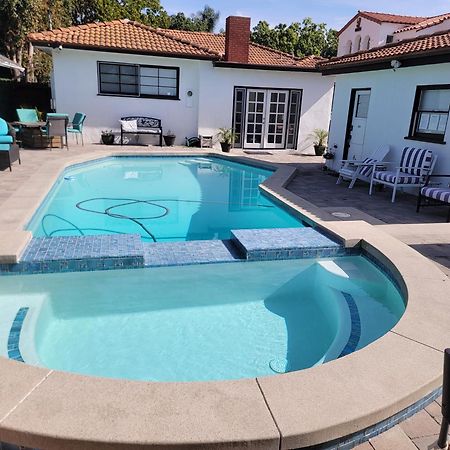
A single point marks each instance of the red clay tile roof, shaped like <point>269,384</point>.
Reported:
<point>383,17</point>
<point>391,18</point>
<point>258,54</point>
<point>420,46</point>
<point>126,35</point>
<point>121,35</point>
<point>431,21</point>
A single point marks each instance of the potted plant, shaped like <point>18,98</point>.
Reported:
<point>320,140</point>
<point>227,138</point>
<point>169,138</point>
<point>107,137</point>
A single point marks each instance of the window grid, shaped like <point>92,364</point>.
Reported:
<point>138,80</point>
<point>429,122</point>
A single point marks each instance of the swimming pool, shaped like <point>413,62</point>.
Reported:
<point>210,322</point>
<point>160,198</point>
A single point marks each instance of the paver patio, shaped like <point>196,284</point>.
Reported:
<point>426,232</point>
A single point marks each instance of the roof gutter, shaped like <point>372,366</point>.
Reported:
<point>230,65</point>
<point>438,56</point>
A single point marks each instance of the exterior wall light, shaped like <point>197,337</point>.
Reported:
<point>395,64</point>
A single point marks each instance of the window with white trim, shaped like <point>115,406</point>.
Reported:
<point>138,80</point>
<point>430,115</point>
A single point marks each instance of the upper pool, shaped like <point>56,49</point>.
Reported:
<point>160,198</point>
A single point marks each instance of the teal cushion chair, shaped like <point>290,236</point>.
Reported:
<point>77,125</point>
<point>27,115</point>
<point>9,151</point>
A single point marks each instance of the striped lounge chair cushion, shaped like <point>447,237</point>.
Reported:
<point>390,177</point>
<point>441,194</point>
<point>366,171</point>
<point>415,160</point>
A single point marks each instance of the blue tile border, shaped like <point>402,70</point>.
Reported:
<point>14,335</point>
<point>285,243</point>
<point>190,252</point>
<point>352,440</point>
<point>355,334</point>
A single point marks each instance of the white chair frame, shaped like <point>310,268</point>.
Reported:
<point>351,169</point>
<point>400,174</point>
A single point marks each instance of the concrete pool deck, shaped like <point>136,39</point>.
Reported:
<point>53,410</point>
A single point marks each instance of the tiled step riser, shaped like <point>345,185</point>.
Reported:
<point>109,252</point>
<point>285,243</point>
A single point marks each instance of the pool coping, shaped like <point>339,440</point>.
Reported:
<point>53,410</point>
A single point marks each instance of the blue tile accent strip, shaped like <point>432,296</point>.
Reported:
<point>352,440</point>
<point>355,333</point>
<point>191,252</point>
<point>14,335</point>
<point>285,243</point>
<point>78,254</point>
<point>83,247</point>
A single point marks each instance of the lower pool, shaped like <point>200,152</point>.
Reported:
<point>208,322</point>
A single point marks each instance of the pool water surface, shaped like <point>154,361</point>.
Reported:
<point>161,198</point>
<point>207,322</point>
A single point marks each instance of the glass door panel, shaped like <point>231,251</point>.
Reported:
<point>276,119</point>
<point>256,105</point>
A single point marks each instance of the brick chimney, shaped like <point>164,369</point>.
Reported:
<point>237,39</point>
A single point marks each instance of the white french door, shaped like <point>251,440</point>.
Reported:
<point>266,117</point>
<point>277,104</point>
<point>358,124</point>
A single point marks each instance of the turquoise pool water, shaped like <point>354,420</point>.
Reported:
<point>209,322</point>
<point>160,198</point>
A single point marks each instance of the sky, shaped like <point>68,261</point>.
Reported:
<point>335,13</point>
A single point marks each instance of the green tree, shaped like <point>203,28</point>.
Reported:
<point>299,39</point>
<point>204,20</point>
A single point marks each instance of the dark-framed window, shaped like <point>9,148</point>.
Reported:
<point>136,80</point>
<point>430,113</point>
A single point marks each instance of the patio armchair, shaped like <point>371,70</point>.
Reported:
<point>415,165</point>
<point>361,170</point>
<point>77,126</point>
<point>9,150</point>
<point>57,127</point>
<point>434,194</point>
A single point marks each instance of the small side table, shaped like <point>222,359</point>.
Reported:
<point>206,141</point>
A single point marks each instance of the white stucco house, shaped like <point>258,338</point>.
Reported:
<point>194,82</point>
<point>395,93</point>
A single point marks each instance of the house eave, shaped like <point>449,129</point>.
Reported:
<point>231,65</point>
<point>418,59</point>
<point>44,46</point>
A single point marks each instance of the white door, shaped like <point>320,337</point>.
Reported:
<point>276,119</point>
<point>266,118</point>
<point>256,110</point>
<point>358,126</point>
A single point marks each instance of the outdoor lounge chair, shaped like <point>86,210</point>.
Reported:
<point>415,165</point>
<point>361,170</point>
<point>9,150</point>
<point>77,126</point>
<point>433,195</point>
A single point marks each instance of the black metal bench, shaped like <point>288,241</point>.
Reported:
<point>145,125</point>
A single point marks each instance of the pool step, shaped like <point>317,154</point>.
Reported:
<point>285,243</point>
<point>191,252</point>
